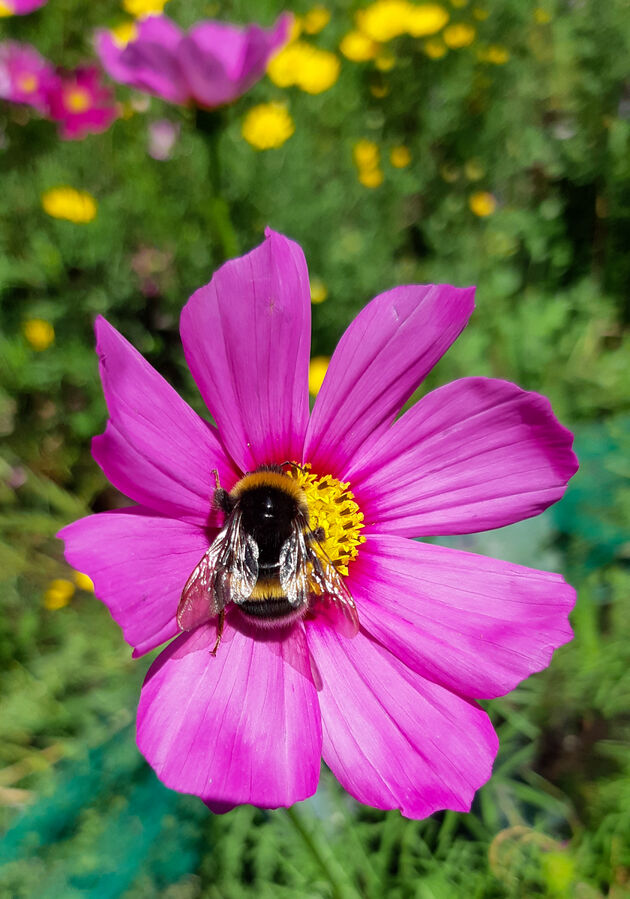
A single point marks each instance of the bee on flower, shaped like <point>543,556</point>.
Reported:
<point>274,549</point>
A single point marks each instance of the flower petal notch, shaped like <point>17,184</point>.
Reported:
<point>274,547</point>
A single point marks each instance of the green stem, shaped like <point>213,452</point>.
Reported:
<point>210,123</point>
<point>325,862</point>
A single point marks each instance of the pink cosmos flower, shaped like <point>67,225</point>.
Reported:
<point>25,76</point>
<point>391,709</point>
<point>81,104</point>
<point>19,7</point>
<point>210,65</point>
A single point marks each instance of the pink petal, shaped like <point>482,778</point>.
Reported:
<point>155,449</point>
<point>149,62</point>
<point>240,727</point>
<point>380,360</point>
<point>476,454</point>
<point>393,739</point>
<point>139,563</point>
<point>246,336</point>
<point>221,61</point>
<point>21,7</point>
<point>475,625</point>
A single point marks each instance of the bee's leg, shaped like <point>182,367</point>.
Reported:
<point>213,651</point>
<point>319,534</point>
<point>221,498</point>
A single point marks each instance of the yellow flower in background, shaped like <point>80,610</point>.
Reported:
<point>449,173</point>
<point>58,594</point>
<point>39,333</point>
<point>316,371</point>
<point>495,54</point>
<point>358,47</point>
<point>379,90</point>
<point>301,64</point>
<point>459,35</point>
<point>371,177</point>
<point>67,203</point>
<point>315,19</point>
<point>384,19</point>
<point>281,67</point>
<point>385,62</point>
<point>124,33</point>
<point>400,157</point>
<point>474,170</point>
<point>319,72</point>
<point>141,8</point>
<point>267,126</point>
<point>425,19</point>
<point>83,582</point>
<point>366,154</point>
<point>5,10</point>
<point>319,291</point>
<point>434,48</point>
<point>541,16</point>
<point>482,203</point>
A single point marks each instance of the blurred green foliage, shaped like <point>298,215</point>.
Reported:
<point>547,134</point>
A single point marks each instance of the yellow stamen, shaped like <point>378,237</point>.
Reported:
<point>27,82</point>
<point>332,507</point>
<point>77,99</point>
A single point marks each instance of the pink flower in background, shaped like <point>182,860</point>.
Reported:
<point>81,104</point>
<point>162,136</point>
<point>19,7</point>
<point>76,100</point>
<point>25,76</point>
<point>391,708</point>
<point>210,65</point>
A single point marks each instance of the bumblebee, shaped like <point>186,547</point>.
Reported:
<point>266,560</point>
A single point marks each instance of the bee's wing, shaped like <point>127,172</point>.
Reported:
<point>293,573</point>
<point>227,573</point>
<point>332,596</point>
<point>306,571</point>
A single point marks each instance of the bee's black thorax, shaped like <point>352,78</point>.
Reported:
<point>268,514</point>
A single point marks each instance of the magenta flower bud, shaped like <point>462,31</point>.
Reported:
<point>210,65</point>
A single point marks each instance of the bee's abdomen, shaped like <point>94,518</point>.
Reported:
<point>268,603</point>
<point>267,609</point>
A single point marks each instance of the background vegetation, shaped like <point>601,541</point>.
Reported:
<point>518,180</point>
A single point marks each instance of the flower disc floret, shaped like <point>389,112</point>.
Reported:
<point>333,508</point>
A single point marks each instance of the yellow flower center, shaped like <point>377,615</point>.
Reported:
<point>332,507</point>
<point>27,82</point>
<point>5,10</point>
<point>77,99</point>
